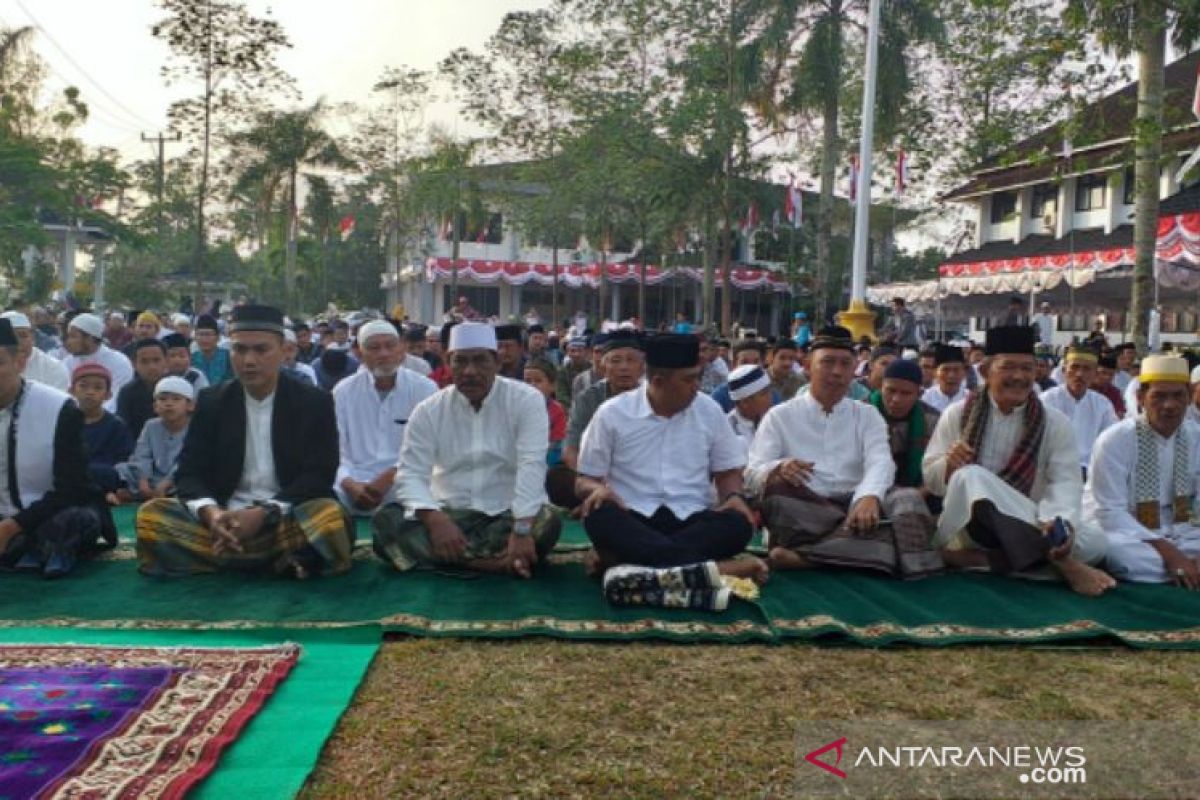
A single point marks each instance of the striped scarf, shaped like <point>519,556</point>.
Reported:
<point>1148,481</point>
<point>1021,469</point>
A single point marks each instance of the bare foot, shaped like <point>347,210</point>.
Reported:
<point>783,558</point>
<point>750,567</point>
<point>499,564</point>
<point>1082,579</point>
<point>596,563</point>
<point>521,569</point>
<point>966,558</point>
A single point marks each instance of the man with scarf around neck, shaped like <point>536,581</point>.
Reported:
<point>910,423</point>
<point>51,513</point>
<point>826,474</point>
<point>1007,468</point>
<point>1142,483</point>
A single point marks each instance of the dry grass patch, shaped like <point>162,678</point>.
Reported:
<point>447,718</point>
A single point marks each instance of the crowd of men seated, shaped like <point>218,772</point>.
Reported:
<point>252,442</point>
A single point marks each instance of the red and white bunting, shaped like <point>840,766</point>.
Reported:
<point>346,227</point>
<point>901,172</point>
<point>853,193</point>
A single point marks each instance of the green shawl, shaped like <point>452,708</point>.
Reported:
<point>916,439</point>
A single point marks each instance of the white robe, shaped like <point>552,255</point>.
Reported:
<point>114,361</point>
<point>1056,488</point>
<point>1110,502</point>
<point>1089,415</point>
<point>46,369</point>
<point>935,397</point>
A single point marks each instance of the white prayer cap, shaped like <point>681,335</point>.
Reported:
<point>472,335</point>
<point>181,319</point>
<point>289,335</point>
<point>909,354</point>
<point>173,384</point>
<point>1195,372</point>
<point>747,381</point>
<point>16,319</point>
<point>376,327</point>
<point>90,324</point>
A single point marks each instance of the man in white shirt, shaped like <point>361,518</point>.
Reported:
<point>824,466</point>
<point>373,408</point>
<point>470,485</point>
<point>647,466</point>
<point>1142,483</point>
<point>1043,321</point>
<point>1126,356</point>
<point>1008,468</point>
<point>949,384</point>
<point>39,366</point>
<point>255,475</point>
<point>83,344</point>
<point>1090,412</point>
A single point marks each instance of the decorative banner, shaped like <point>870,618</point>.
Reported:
<point>1177,251</point>
<point>1092,259</point>
<point>519,273</point>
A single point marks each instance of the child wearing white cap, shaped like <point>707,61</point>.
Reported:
<point>150,472</point>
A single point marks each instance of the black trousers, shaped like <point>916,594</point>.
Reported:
<point>72,532</point>
<point>663,540</point>
<point>1012,545</point>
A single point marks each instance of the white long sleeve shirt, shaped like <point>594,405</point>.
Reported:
<point>848,447</point>
<point>1110,497</point>
<point>370,427</point>
<point>934,396</point>
<point>258,483</point>
<point>1090,415</point>
<point>46,369</point>
<point>491,460</point>
<point>1057,487</point>
<point>652,461</point>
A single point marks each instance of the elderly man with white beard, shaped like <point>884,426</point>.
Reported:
<point>1008,468</point>
<point>373,407</point>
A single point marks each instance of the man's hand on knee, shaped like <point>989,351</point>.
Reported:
<point>446,540</point>
<point>864,516</point>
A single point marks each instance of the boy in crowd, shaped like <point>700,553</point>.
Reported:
<point>107,439</point>
<point>150,472</point>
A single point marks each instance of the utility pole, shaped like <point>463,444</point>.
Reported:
<point>160,177</point>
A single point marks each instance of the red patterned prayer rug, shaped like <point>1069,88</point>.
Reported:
<point>105,722</point>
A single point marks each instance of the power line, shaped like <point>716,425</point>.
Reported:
<point>133,116</point>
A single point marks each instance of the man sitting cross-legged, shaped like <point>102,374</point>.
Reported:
<point>826,473</point>
<point>646,469</point>
<point>1142,483</point>
<point>470,482</point>
<point>1008,468</point>
<point>255,475</point>
<point>373,409</point>
<point>51,513</point>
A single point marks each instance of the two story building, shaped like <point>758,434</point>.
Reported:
<point>1053,222</point>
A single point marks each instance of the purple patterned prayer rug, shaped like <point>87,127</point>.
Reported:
<point>129,722</point>
<point>51,720</point>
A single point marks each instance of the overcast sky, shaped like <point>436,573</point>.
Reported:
<point>339,50</point>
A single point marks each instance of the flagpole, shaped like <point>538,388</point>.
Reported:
<point>858,317</point>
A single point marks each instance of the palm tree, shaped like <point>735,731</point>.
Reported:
<point>815,71</point>
<point>280,145</point>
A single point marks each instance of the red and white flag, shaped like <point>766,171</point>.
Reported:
<point>854,179</point>
<point>346,226</point>
<point>446,230</point>
<point>750,223</point>
<point>901,172</point>
<point>793,204</point>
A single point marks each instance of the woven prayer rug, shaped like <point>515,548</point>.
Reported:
<point>88,721</point>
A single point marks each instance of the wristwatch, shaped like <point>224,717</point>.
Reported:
<point>747,497</point>
<point>523,527</point>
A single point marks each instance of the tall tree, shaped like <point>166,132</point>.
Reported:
<point>231,53</point>
<point>1139,27</point>
<point>280,145</point>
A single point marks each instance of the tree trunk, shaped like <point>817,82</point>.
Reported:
<point>201,243</point>
<point>289,262</point>
<point>1151,47</point>
<point>705,315</point>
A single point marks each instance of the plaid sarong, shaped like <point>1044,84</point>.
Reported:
<point>171,542</point>
<point>814,526</point>
<point>1021,469</point>
<point>404,543</point>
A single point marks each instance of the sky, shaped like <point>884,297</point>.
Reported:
<point>339,50</point>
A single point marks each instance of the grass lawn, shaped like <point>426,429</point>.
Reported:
<point>532,717</point>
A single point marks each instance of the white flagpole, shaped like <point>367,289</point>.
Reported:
<point>859,318</point>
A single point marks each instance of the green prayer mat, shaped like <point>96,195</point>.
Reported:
<point>278,749</point>
<point>832,606</point>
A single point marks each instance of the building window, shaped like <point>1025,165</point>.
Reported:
<point>1044,201</point>
<point>1004,206</point>
<point>1089,192</point>
<point>1129,196</point>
